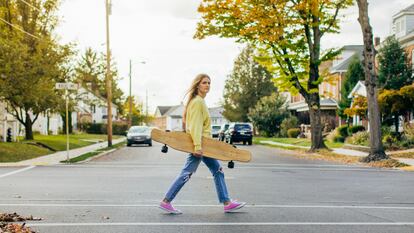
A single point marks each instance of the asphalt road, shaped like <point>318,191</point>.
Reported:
<point>119,192</point>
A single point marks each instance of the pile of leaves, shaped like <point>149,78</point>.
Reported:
<point>7,227</point>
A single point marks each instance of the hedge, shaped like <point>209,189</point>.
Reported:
<point>293,133</point>
<point>101,128</point>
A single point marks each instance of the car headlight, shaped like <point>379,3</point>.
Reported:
<point>148,137</point>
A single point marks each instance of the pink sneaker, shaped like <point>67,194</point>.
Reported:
<point>169,208</point>
<point>233,205</point>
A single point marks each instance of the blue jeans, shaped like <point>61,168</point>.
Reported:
<point>190,167</point>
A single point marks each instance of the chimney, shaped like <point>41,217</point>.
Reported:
<point>377,41</point>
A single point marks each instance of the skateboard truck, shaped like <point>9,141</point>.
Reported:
<point>164,148</point>
<point>230,164</point>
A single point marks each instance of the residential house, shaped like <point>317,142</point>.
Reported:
<point>89,108</point>
<point>403,30</point>
<point>92,108</point>
<point>171,117</point>
<point>329,90</point>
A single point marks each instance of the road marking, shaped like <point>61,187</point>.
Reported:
<point>242,167</point>
<point>17,171</point>
<point>222,224</point>
<point>188,205</point>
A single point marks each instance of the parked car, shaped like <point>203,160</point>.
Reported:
<point>239,132</point>
<point>139,135</point>
<point>215,130</point>
<point>222,131</point>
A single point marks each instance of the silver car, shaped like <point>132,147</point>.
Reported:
<point>139,135</point>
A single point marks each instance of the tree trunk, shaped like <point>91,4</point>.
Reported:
<point>28,124</point>
<point>376,148</point>
<point>316,124</point>
<point>396,122</point>
<point>63,115</point>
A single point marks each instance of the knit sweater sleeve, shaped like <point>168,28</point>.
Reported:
<point>195,123</point>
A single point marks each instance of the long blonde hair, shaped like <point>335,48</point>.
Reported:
<point>192,92</point>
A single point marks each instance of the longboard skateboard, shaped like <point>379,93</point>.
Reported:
<point>211,148</point>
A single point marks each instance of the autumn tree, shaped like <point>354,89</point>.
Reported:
<point>30,59</point>
<point>376,148</point>
<point>358,107</point>
<point>137,116</point>
<point>288,34</point>
<point>247,83</point>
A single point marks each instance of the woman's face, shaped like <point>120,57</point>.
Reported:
<point>204,86</point>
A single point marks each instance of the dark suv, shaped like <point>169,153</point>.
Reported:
<point>239,132</point>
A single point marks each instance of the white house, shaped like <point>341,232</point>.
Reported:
<point>92,108</point>
<point>89,108</point>
<point>171,117</point>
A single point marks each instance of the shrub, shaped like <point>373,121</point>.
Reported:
<point>293,133</point>
<point>343,131</point>
<point>118,128</point>
<point>338,138</point>
<point>359,138</point>
<point>355,129</point>
<point>409,131</point>
<point>288,123</point>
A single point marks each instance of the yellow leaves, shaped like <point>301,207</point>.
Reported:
<point>359,107</point>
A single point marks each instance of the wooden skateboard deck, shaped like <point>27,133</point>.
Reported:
<point>211,148</point>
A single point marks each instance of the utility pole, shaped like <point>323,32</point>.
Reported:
<point>108,75</point>
<point>130,97</point>
<point>146,103</point>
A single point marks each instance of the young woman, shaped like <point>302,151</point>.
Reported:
<point>196,121</point>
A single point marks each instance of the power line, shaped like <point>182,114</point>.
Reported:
<point>31,5</point>
<point>18,28</point>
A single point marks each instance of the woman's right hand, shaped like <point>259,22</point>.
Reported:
<point>198,153</point>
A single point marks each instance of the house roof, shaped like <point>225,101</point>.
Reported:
<point>216,112</point>
<point>175,111</point>
<point>302,106</point>
<point>164,109</point>
<point>343,65</point>
<point>359,88</point>
<point>407,9</point>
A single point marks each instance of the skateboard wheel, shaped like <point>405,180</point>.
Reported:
<point>230,164</point>
<point>164,149</point>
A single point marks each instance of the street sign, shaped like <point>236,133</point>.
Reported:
<point>68,86</point>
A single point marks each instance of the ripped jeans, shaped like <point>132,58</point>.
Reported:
<point>190,167</point>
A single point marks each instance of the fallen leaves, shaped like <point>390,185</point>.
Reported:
<point>7,227</point>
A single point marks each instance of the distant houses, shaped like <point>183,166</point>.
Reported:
<point>171,117</point>
<point>89,107</point>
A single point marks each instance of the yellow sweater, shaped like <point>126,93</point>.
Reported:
<point>198,121</point>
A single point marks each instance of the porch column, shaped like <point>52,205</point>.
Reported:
<point>4,130</point>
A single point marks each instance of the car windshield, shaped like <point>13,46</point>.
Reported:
<point>215,127</point>
<point>242,127</point>
<point>225,127</point>
<point>139,130</point>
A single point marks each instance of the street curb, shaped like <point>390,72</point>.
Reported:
<point>286,148</point>
<point>97,156</point>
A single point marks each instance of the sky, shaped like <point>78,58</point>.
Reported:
<point>160,33</point>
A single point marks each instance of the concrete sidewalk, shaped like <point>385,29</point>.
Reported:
<point>349,152</point>
<point>55,158</point>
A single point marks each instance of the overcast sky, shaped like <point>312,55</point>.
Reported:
<point>160,33</point>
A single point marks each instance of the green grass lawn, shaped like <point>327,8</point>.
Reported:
<point>58,142</point>
<point>298,141</point>
<point>18,151</point>
<point>15,151</point>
